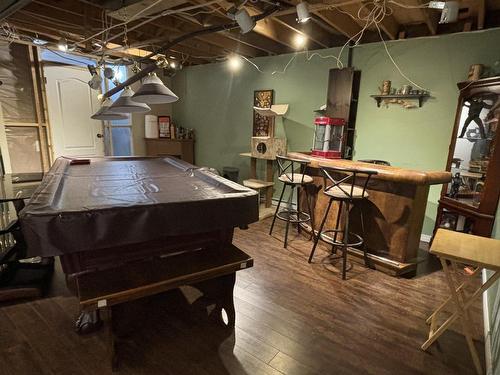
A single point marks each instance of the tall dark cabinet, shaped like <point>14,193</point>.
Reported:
<point>469,202</point>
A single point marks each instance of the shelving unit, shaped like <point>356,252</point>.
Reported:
<point>419,97</point>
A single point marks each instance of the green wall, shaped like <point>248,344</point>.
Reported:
<point>218,103</point>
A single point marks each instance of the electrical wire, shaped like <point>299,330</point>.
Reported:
<point>65,57</point>
<point>162,14</point>
<point>133,17</point>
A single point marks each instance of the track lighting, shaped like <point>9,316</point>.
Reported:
<point>174,65</point>
<point>95,82</point>
<point>109,73</point>
<point>449,9</point>
<point>303,14</point>
<point>62,45</point>
<point>125,104</point>
<point>234,62</point>
<point>245,22</point>
<point>153,91</point>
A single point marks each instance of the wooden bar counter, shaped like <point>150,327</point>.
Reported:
<point>393,213</point>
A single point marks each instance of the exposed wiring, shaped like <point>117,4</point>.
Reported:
<point>394,62</point>
<point>65,57</point>
<point>163,14</point>
<point>420,6</point>
<point>133,17</point>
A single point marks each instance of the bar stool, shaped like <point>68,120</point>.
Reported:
<point>292,173</point>
<point>346,190</point>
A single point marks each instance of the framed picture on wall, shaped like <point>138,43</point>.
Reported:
<point>262,124</point>
<point>164,126</point>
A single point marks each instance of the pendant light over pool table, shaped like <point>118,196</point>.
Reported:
<point>125,104</point>
<point>104,113</point>
<point>153,91</point>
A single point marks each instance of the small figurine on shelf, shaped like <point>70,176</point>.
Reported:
<point>456,183</point>
<point>386,88</point>
<point>476,105</point>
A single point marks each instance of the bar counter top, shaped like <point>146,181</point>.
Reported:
<point>387,173</point>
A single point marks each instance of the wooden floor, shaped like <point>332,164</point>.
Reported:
<point>292,318</point>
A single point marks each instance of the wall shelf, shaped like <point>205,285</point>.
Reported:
<point>419,97</point>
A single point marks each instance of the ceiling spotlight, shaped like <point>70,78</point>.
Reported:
<point>109,73</point>
<point>39,42</point>
<point>62,45</point>
<point>449,10</point>
<point>234,62</point>
<point>153,91</point>
<point>104,113</point>
<point>245,22</point>
<point>173,64</point>
<point>125,104</point>
<point>299,41</point>
<point>95,82</point>
<point>303,14</point>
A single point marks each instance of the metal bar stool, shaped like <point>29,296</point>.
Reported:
<point>292,173</point>
<point>342,185</point>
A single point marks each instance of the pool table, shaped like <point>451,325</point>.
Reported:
<point>104,214</point>
<point>110,211</point>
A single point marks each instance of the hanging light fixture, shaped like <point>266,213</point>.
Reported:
<point>303,14</point>
<point>125,104</point>
<point>153,91</point>
<point>104,113</point>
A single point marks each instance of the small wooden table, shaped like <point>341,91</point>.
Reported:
<point>479,252</point>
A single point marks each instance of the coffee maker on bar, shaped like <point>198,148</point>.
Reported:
<point>328,137</point>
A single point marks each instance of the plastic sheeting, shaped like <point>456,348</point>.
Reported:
<point>17,95</point>
<point>121,201</point>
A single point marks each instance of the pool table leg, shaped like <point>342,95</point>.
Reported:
<point>113,355</point>
<point>220,290</point>
<point>88,322</point>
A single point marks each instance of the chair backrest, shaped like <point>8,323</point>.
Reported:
<point>346,179</point>
<point>291,168</point>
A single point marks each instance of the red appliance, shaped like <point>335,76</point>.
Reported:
<point>328,136</point>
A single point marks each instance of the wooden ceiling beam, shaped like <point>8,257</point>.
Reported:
<point>390,26</point>
<point>339,21</point>
<point>149,30</point>
<point>481,13</point>
<point>250,39</point>
<point>267,27</point>
<point>430,17</point>
<point>312,31</point>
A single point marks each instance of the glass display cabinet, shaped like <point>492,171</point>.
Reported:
<point>469,202</point>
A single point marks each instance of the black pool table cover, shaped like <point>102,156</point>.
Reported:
<point>120,201</point>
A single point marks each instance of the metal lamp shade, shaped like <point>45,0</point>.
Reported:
<point>153,91</point>
<point>104,113</point>
<point>125,104</point>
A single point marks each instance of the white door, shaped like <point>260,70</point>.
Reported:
<point>70,103</point>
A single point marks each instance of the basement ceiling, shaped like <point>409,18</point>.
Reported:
<point>159,22</point>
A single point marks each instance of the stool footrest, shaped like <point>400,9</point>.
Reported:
<point>293,216</point>
<point>357,237</point>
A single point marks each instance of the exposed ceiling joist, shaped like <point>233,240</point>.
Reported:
<point>9,7</point>
<point>339,21</point>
